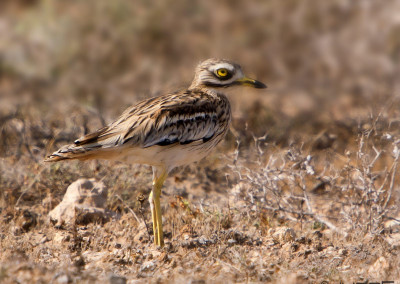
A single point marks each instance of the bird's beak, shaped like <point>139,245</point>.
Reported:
<point>250,82</point>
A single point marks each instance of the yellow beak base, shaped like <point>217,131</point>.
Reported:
<point>251,83</point>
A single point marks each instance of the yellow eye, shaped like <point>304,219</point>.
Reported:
<point>222,72</point>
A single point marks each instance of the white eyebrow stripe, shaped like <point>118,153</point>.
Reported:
<point>223,65</point>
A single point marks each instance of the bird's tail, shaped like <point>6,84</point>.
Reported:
<point>70,152</point>
<point>96,145</point>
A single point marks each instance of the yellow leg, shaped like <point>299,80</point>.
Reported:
<point>154,217</point>
<point>158,181</point>
<point>159,233</point>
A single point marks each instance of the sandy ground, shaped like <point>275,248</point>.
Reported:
<point>304,188</point>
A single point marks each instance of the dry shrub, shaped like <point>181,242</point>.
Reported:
<point>351,192</point>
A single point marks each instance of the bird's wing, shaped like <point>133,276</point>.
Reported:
<point>176,118</point>
<point>182,123</point>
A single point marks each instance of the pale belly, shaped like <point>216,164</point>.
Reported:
<point>168,156</point>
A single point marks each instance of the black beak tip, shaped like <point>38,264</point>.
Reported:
<point>259,85</point>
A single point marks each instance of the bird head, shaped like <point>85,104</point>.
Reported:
<point>220,73</point>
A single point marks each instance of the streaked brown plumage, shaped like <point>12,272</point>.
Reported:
<point>189,119</point>
<point>166,131</point>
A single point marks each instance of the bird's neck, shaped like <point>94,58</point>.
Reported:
<point>215,92</point>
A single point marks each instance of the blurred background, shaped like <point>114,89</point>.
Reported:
<point>68,67</point>
<point>327,127</point>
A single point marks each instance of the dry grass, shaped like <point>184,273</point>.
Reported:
<point>305,188</point>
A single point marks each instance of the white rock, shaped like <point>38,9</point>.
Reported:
<point>148,266</point>
<point>84,201</point>
<point>63,279</point>
<point>394,240</point>
<point>379,269</point>
<point>283,234</point>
